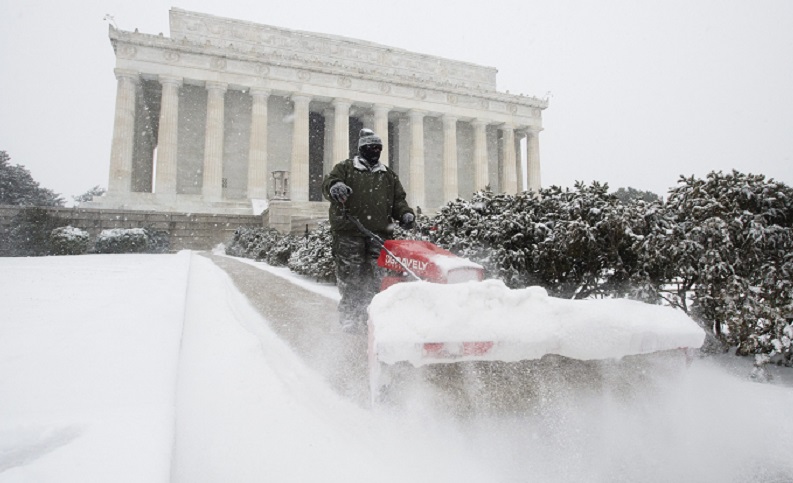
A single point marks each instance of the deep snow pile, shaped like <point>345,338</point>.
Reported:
<point>524,324</point>
<point>89,381</point>
<point>88,365</point>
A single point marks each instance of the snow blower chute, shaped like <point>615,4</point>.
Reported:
<point>449,314</point>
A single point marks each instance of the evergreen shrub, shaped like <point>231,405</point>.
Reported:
<point>122,240</point>
<point>68,240</point>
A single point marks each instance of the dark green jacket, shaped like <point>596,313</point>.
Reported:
<point>377,200</point>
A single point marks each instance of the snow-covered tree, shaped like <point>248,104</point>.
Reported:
<point>18,188</point>
<point>90,194</point>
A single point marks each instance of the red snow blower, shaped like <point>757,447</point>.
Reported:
<point>478,338</point>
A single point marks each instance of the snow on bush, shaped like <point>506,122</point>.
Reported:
<point>264,244</point>
<point>68,240</point>
<point>312,255</point>
<point>719,248</point>
<point>722,250</point>
<point>122,240</point>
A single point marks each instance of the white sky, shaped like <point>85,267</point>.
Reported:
<point>640,92</point>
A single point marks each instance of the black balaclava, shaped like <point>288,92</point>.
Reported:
<point>370,146</point>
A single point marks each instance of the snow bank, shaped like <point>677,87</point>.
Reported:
<point>88,361</point>
<point>524,324</point>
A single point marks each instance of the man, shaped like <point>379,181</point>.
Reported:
<point>371,192</point>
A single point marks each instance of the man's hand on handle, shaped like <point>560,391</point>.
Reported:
<point>340,192</point>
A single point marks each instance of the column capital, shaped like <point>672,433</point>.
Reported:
<point>216,86</point>
<point>129,74</point>
<point>341,102</point>
<point>417,114</point>
<point>260,92</point>
<point>534,130</point>
<point>300,98</point>
<point>449,119</point>
<point>170,80</point>
<point>507,127</point>
<point>478,122</point>
<point>382,108</point>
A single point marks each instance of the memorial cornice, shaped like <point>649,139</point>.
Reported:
<point>322,79</point>
<point>258,38</point>
<point>129,44</point>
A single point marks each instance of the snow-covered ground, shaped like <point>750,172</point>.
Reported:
<point>147,368</point>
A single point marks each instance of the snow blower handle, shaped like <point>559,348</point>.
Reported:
<point>376,238</point>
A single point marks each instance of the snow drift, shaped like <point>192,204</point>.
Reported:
<point>523,324</point>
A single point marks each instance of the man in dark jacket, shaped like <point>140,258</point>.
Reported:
<point>372,193</point>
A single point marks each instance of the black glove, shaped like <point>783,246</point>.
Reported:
<point>340,192</point>
<point>408,221</point>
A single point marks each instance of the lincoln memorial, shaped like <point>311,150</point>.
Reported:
<point>232,117</point>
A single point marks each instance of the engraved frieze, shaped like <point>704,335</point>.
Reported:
<point>344,81</point>
<point>127,52</point>
<point>218,63</point>
<point>170,56</point>
<point>262,70</point>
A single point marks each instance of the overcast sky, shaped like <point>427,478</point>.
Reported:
<point>641,92</point>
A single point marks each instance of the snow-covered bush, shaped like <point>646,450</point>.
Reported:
<point>574,243</point>
<point>157,241</point>
<point>122,240</point>
<point>312,255</point>
<point>720,248</point>
<point>265,244</point>
<point>724,245</point>
<point>68,240</point>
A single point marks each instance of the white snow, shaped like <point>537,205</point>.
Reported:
<point>88,358</point>
<point>524,324</point>
<point>154,368</point>
<point>258,206</point>
<point>118,232</point>
<point>447,264</point>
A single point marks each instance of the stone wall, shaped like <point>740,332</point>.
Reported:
<point>186,230</point>
<point>295,217</point>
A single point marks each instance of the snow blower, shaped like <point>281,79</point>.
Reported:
<point>447,315</point>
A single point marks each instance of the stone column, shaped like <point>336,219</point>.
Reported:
<point>416,194</point>
<point>167,136</point>
<point>368,121</point>
<point>381,128</point>
<point>519,159</point>
<point>212,188</point>
<point>120,180</point>
<point>481,176</point>
<point>258,175</point>
<point>328,159</point>
<point>533,158</point>
<point>450,182</point>
<point>299,166</point>
<point>510,181</point>
<point>341,130</point>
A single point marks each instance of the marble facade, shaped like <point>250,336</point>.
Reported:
<point>226,112</point>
